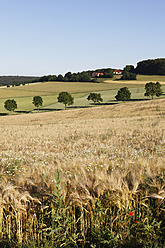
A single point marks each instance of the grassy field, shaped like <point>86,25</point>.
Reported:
<point>147,78</point>
<point>50,90</point>
<point>111,161</point>
<point>53,88</point>
<point>151,78</point>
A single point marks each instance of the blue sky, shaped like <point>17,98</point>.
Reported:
<point>41,37</point>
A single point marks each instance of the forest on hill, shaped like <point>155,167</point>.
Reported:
<point>145,67</point>
<point>16,80</point>
<point>151,67</point>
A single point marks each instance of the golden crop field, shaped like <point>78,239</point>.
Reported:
<point>111,160</point>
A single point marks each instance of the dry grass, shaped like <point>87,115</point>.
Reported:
<point>112,149</point>
<point>76,138</point>
<point>134,109</point>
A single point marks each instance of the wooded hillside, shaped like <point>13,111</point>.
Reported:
<point>151,67</point>
<point>13,80</point>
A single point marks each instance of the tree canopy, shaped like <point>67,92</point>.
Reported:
<point>37,101</point>
<point>10,105</point>
<point>65,98</point>
<point>123,94</point>
<point>128,76</point>
<point>151,67</point>
<point>15,80</point>
<point>153,89</point>
<point>95,97</point>
<point>129,68</point>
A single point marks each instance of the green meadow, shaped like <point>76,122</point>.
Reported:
<point>80,90</point>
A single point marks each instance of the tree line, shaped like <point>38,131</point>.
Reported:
<point>123,94</point>
<point>16,80</point>
<point>85,76</point>
<point>145,67</point>
<point>151,67</point>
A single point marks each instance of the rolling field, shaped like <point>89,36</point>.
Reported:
<point>111,161</point>
<point>151,78</point>
<point>50,90</point>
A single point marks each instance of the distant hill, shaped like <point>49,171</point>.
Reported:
<point>145,67</point>
<point>15,80</point>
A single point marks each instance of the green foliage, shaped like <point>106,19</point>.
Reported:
<point>74,78</point>
<point>151,67</point>
<point>84,77</point>
<point>60,78</point>
<point>95,97</point>
<point>123,94</point>
<point>37,101</point>
<point>128,76</point>
<point>129,68</point>
<point>10,105</point>
<point>135,222</point>
<point>61,218</point>
<point>13,80</point>
<point>68,75</point>
<point>153,89</point>
<point>66,98</point>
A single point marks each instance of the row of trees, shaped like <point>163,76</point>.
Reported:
<point>123,94</point>
<point>68,77</point>
<point>145,67</point>
<point>11,105</point>
<point>85,76</point>
<point>152,89</point>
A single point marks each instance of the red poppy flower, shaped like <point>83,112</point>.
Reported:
<point>131,213</point>
<point>136,221</point>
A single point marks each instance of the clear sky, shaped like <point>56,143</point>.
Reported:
<point>41,37</point>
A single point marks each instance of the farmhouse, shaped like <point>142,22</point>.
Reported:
<point>97,74</point>
<point>117,72</point>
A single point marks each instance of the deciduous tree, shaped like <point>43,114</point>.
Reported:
<point>10,105</point>
<point>95,97</point>
<point>66,98</point>
<point>37,101</point>
<point>123,94</point>
<point>153,89</point>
